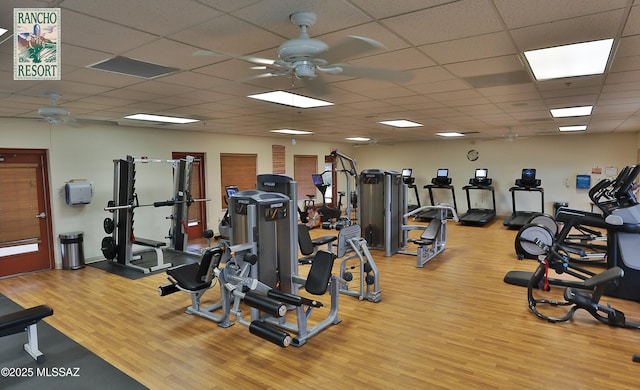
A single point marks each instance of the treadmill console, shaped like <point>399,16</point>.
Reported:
<point>407,177</point>
<point>481,178</point>
<point>528,179</point>
<point>442,177</point>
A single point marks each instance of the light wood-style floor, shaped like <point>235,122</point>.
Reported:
<point>453,324</point>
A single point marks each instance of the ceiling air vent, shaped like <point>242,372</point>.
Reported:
<point>131,67</point>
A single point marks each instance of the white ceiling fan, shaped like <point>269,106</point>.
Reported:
<point>53,113</point>
<point>56,115</point>
<point>306,58</point>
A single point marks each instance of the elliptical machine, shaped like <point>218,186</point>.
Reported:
<point>621,219</point>
<point>584,295</point>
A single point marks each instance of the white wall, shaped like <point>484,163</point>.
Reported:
<point>556,158</point>
<point>88,153</point>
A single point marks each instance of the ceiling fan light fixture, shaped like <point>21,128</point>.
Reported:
<point>304,70</point>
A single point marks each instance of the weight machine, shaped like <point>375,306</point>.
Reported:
<point>117,247</point>
<point>433,239</point>
<point>350,242</point>
<point>263,225</point>
<point>382,200</point>
<point>348,167</point>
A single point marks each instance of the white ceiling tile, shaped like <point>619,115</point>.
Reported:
<point>113,39</point>
<point>563,32</point>
<point>472,48</point>
<point>521,13</point>
<point>163,18</point>
<point>487,66</point>
<point>445,23</point>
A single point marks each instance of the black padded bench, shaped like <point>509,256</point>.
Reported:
<point>157,246</point>
<point>26,320</point>
<point>148,242</point>
<point>429,234</point>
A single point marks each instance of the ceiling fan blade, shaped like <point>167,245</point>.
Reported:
<point>255,60</point>
<point>396,76</point>
<point>349,47</point>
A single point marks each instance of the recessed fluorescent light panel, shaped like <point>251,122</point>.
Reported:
<point>573,128</point>
<point>358,139</point>
<point>160,118</point>
<point>571,111</point>
<point>290,99</point>
<point>401,123</point>
<point>292,132</point>
<point>450,134</point>
<point>580,59</point>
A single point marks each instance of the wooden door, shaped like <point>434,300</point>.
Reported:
<point>26,242</point>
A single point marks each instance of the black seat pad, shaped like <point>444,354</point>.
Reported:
<point>187,277</point>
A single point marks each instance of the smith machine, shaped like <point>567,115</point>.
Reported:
<point>118,245</point>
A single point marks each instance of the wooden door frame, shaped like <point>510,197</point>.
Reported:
<point>43,196</point>
<point>203,183</point>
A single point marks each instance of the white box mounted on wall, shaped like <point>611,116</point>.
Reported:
<point>78,192</point>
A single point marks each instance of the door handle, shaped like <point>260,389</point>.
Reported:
<point>42,215</point>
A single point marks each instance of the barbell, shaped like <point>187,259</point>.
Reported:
<point>154,204</point>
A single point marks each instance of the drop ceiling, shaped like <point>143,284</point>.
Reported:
<point>465,56</point>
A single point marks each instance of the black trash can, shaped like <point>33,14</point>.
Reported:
<point>72,250</point>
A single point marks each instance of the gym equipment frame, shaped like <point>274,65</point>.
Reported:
<point>433,239</point>
<point>349,240</point>
<point>119,245</point>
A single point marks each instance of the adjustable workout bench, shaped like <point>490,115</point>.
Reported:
<point>26,320</point>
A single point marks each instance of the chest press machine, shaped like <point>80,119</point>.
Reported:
<point>433,239</point>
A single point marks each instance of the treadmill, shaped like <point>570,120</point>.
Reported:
<point>410,181</point>
<point>526,183</point>
<point>479,216</point>
<point>441,181</point>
